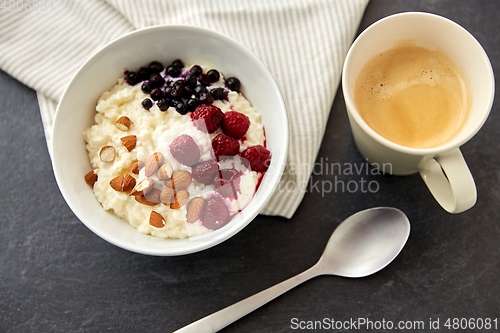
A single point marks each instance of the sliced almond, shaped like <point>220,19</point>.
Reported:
<point>153,163</point>
<point>181,198</point>
<point>129,142</point>
<point>156,220</point>
<point>153,195</point>
<point>165,172</point>
<point>116,183</point>
<point>122,183</point>
<point>143,187</point>
<point>128,183</point>
<point>180,179</point>
<point>152,198</point>
<point>123,123</point>
<point>195,209</point>
<point>91,177</point>
<point>107,154</point>
<point>166,196</point>
<point>136,167</point>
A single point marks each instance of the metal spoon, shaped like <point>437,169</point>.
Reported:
<point>361,245</point>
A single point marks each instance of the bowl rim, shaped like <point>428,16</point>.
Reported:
<point>195,246</point>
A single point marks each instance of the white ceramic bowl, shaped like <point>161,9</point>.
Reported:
<point>76,111</point>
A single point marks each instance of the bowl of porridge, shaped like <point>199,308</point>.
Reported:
<point>169,140</point>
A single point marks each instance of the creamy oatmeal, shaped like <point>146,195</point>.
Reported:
<point>176,151</point>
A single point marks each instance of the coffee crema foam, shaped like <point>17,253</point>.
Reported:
<point>413,96</point>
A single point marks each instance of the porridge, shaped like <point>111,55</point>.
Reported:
<point>175,151</point>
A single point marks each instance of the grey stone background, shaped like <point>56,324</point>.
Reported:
<point>57,276</point>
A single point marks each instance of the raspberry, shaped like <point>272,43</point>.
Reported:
<point>216,214</point>
<point>235,124</point>
<point>225,145</point>
<point>185,150</point>
<point>227,183</point>
<point>258,157</point>
<point>205,172</point>
<point>211,115</point>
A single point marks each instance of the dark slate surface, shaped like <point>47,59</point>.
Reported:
<point>57,276</point>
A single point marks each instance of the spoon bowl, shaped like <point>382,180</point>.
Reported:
<point>361,245</point>
<point>365,242</point>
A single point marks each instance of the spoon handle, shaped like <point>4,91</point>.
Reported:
<point>226,316</point>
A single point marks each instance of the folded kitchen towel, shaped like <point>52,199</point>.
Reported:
<point>302,42</point>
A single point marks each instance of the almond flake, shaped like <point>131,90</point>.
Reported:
<point>165,172</point>
<point>153,163</point>
<point>143,187</point>
<point>136,167</point>
<point>123,123</point>
<point>129,142</point>
<point>107,154</point>
<point>91,177</point>
<point>195,209</point>
<point>181,198</point>
<point>156,220</point>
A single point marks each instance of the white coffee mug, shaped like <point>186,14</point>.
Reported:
<point>443,168</point>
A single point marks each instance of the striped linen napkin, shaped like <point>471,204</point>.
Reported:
<point>302,42</point>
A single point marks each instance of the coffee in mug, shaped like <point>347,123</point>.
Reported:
<point>413,96</point>
<point>404,122</point>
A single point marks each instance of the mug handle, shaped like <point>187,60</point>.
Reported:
<point>449,179</point>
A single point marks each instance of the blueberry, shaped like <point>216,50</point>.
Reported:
<point>177,91</point>
<point>218,93</point>
<point>172,102</point>
<point>173,71</point>
<point>181,108</point>
<point>147,103</point>
<point>204,79</point>
<point>156,80</point>
<point>196,70</point>
<point>146,87</point>
<point>162,104</point>
<point>191,80</point>
<point>168,91</point>
<point>132,78</point>
<point>191,104</point>
<point>199,89</point>
<point>156,67</point>
<point>214,75</point>
<point>157,94</point>
<point>205,98</point>
<point>178,63</point>
<point>233,84</point>
<point>187,92</point>
<point>179,83</point>
<point>144,73</point>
